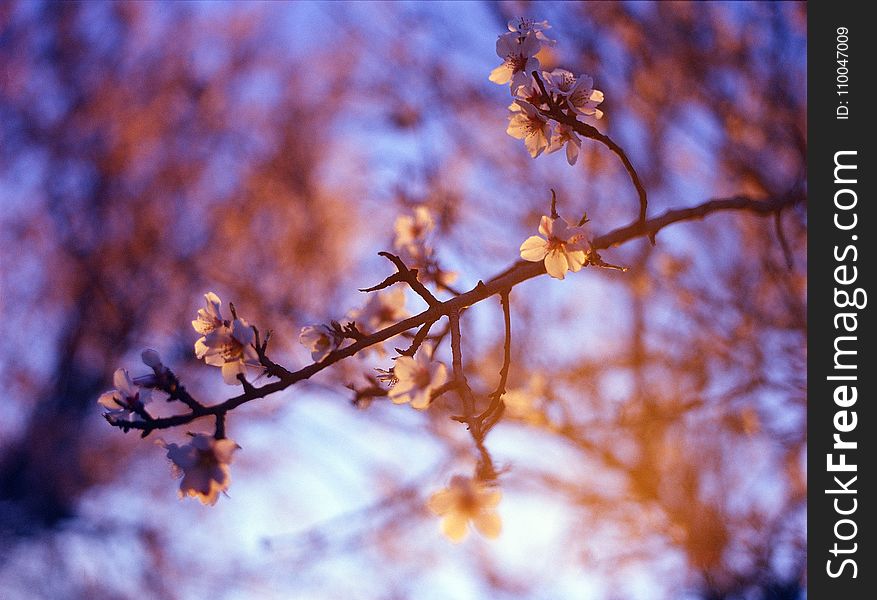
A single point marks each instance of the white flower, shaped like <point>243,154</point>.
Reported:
<point>525,27</point>
<point>381,310</point>
<point>463,501</point>
<point>563,247</point>
<point>203,465</point>
<point>564,134</point>
<point>321,340</point>
<point>416,378</point>
<point>529,125</point>
<point>577,92</point>
<point>518,54</point>
<point>122,401</point>
<point>231,349</point>
<point>411,231</point>
<point>209,319</point>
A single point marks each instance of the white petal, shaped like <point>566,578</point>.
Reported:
<point>489,524</point>
<point>230,372</point>
<point>534,248</point>
<point>555,264</point>
<point>546,226</point>
<point>455,527</point>
<point>501,75</point>
<point>576,260</point>
<point>441,502</point>
<point>108,400</point>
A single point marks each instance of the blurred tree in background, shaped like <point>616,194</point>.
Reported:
<point>654,440</point>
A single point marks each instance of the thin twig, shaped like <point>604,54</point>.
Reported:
<point>418,340</point>
<point>496,403</point>
<point>555,112</point>
<point>465,392</point>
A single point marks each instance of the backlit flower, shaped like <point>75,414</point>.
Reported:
<point>416,378</point>
<point>524,27</point>
<point>231,349</point>
<point>518,54</point>
<point>320,340</point>
<point>122,401</point>
<point>563,247</point>
<point>577,92</point>
<point>564,134</point>
<point>209,319</point>
<point>203,466</point>
<point>467,500</point>
<point>411,231</point>
<point>529,125</point>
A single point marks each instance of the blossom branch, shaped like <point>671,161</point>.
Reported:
<point>555,112</point>
<point>517,273</point>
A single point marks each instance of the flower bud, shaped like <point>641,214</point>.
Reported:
<point>151,359</point>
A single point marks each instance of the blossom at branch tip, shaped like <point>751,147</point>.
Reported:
<point>524,27</point>
<point>467,500</point>
<point>203,466</point>
<point>519,59</point>
<point>562,247</point>
<point>564,134</point>
<point>531,126</point>
<point>320,340</point>
<point>416,378</point>
<point>382,309</point>
<point>577,93</point>
<point>122,402</point>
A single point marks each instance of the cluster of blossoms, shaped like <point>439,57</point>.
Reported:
<point>572,95</point>
<point>202,463</point>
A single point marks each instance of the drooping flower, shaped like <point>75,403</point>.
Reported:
<point>519,59</point>
<point>563,247</point>
<point>320,340</point>
<point>564,134</point>
<point>231,349</point>
<point>203,466</point>
<point>381,310</point>
<point>577,93</point>
<point>125,399</point>
<point>416,378</point>
<point>529,125</point>
<point>467,500</point>
<point>524,27</point>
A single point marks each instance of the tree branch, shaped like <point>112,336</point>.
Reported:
<point>517,273</point>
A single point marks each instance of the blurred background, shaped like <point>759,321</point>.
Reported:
<point>151,152</point>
